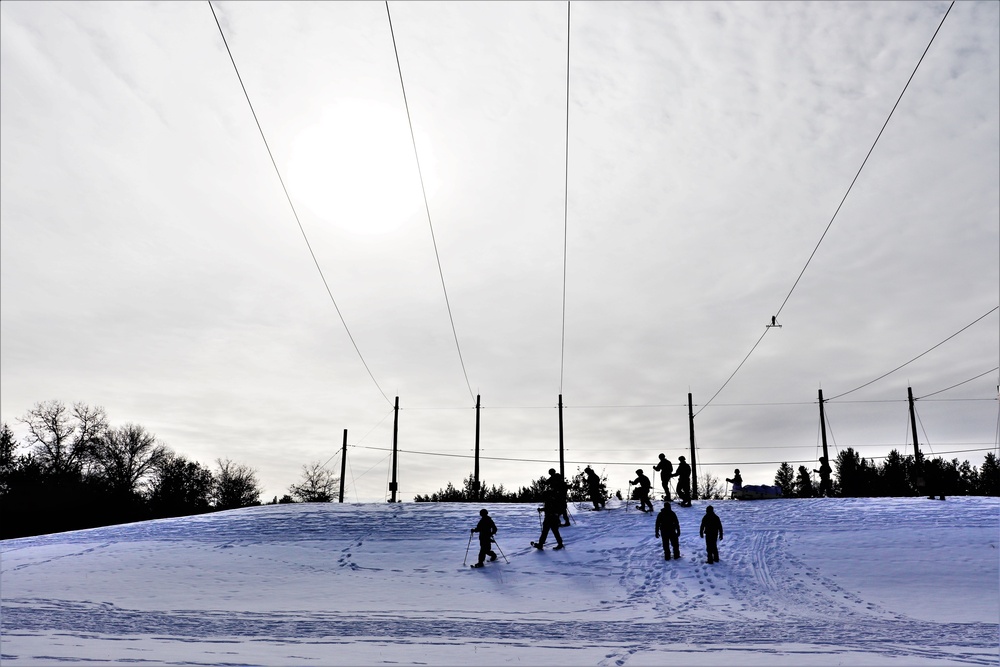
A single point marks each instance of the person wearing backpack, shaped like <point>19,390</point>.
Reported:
<point>666,470</point>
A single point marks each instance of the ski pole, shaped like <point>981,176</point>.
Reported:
<point>629,497</point>
<point>467,549</point>
<point>500,550</point>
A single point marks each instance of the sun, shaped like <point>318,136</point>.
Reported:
<point>356,169</point>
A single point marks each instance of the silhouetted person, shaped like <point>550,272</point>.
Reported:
<point>618,494</point>
<point>683,476</point>
<point>825,486</point>
<point>669,529</point>
<point>711,530</point>
<point>486,529</point>
<point>558,486</point>
<point>552,509</point>
<point>594,488</point>
<point>737,482</point>
<point>642,486</point>
<point>666,470</point>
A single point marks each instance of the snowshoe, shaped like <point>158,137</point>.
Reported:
<point>537,545</point>
<point>476,565</point>
<point>557,547</point>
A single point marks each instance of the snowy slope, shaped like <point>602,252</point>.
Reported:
<point>801,582</point>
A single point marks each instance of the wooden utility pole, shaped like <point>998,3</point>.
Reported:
<point>913,425</point>
<point>562,460</point>
<point>475,474</point>
<point>343,465</point>
<point>393,485</point>
<point>694,469</point>
<point>822,427</point>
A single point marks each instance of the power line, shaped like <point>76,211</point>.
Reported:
<point>625,463</point>
<point>766,329</point>
<point>959,384</point>
<point>839,206</point>
<point>305,237</point>
<point>562,349</point>
<point>427,208</point>
<point>870,150</point>
<point>994,309</point>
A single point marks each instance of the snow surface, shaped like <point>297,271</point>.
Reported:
<point>801,582</point>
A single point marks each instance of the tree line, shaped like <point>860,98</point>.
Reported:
<point>896,476</point>
<point>709,488</point>
<point>76,470</point>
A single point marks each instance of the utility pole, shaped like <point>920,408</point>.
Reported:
<point>913,425</point>
<point>822,426</point>
<point>393,485</point>
<point>343,465</point>
<point>918,462</point>
<point>694,468</point>
<point>562,460</point>
<point>475,475</point>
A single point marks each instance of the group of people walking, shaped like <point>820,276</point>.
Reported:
<point>554,513</point>
<point>666,470</point>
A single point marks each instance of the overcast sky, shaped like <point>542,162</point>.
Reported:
<point>152,265</point>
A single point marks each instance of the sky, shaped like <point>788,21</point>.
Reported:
<point>621,247</point>
<point>390,584</point>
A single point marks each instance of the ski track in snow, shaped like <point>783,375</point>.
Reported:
<point>320,574</point>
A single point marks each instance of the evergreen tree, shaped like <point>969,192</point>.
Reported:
<point>856,476</point>
<point>893,475</point>
<point>989,476</point>
<point>784,479</point>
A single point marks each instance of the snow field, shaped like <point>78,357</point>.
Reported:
<point>800,582</point>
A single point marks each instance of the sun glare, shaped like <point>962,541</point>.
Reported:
<point>356,169</point>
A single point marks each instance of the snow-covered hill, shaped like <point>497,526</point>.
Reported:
<point>801,582</point>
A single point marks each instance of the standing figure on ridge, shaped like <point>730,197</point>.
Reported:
<point>683,476</point>
<point>557,484</point>
<point>666,470</point>
<point>594,488</point>
<point>711,530</point>
<point>643,485</point>
<point>486,529</point>
<point>669,528</point>
<point>825,486</point>
<point>737,482</point>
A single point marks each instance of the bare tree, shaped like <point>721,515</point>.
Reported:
<point>235,486</point>
<point>64,439</point>
<point>709,487</point>
<point>125,456</point>
<point>317,484</point>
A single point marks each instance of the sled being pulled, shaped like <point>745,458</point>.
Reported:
<point>757,492</point>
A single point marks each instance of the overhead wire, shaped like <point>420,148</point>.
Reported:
<point>934,393</point>
<point>305,236</point>
<point>427,208</point>
<point>623,463</point>
<point>836,212</point>
<point>932,348</point>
